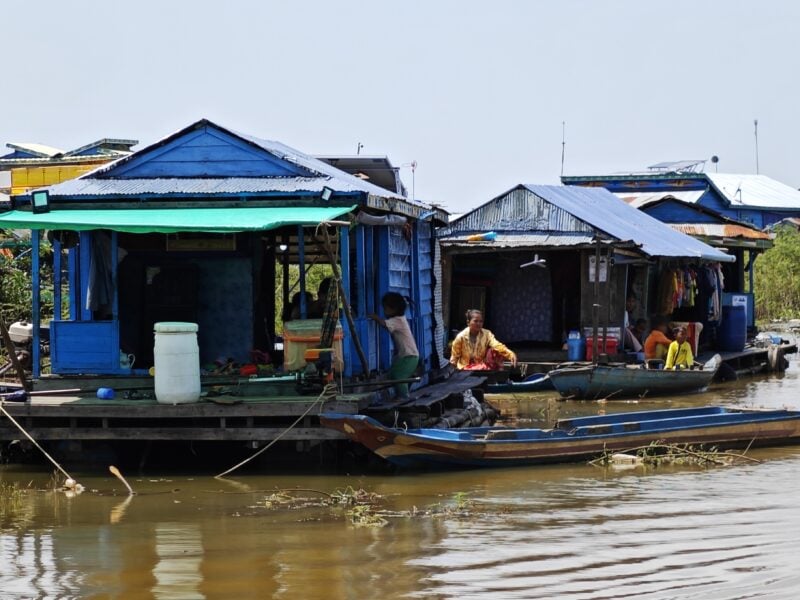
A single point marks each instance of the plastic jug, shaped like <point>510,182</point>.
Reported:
<point>576,346</point>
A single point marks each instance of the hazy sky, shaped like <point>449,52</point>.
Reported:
<point>475,92</point>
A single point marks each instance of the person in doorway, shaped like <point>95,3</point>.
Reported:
<point>406,354</point>
<point>317,308</point>
<point>476,348</point>
<point>640,330</point>
<point>293,312</point>
<point>629,340</point>
<point>679,355</point>
<point>657,343</point>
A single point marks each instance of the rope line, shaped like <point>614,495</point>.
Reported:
<point>328,391</point>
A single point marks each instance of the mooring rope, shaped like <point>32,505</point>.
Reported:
<point>328,391</point>
<point>34,442</point>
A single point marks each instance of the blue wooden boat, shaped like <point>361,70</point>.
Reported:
<point>569,440</point>
<point>537,382</point>
<point>623,381</point>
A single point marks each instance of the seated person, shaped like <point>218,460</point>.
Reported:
<point>640,330</point>
<point>657,343</point>
<point>679,355</point>
<point>293,310</point>
<point>476,348</point>
<point>316,309</point>
<point>629,340</point>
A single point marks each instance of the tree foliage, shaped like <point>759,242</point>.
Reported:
<point>16,287</point>
<point>314,275</point>
<point>777,277</point>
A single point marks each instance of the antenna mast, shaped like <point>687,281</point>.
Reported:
<point>755,126</point>
<point>563,144</point>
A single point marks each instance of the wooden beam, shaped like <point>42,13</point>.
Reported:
<point>173,433</point>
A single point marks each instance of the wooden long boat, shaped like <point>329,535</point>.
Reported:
<point>612,382</point>
<point>569,440</point>
<point>537,382</point>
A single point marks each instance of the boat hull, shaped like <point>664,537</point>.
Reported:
<point>571,440</point>
<point>598,381</point>
<point>538,383</point>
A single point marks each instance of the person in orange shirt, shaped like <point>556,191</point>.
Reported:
<point>657,343</point>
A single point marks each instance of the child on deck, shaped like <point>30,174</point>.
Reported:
<point>679,355</point>
<point>406,355</point>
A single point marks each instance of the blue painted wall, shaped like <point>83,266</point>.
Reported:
<point>206,152</point>
<point>425,331</point>
<point>670,211</point>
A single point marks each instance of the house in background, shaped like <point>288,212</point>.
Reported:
<point>197,227</point>
<point>378,170</point>
<point>738,239</point>
<point>723,210</point>
<point>756,200</point>
<point>543,260</point>
<point>36,165</point>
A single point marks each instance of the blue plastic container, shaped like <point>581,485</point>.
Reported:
<point>732,332</point>
<point>576,347</point>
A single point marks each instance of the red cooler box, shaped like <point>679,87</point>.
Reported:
<point>611,346</point>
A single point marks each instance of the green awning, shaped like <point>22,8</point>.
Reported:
<point>173,220</point>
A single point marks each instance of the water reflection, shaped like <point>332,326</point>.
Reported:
<point>568,531</point>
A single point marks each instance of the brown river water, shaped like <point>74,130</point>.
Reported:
<point>566,532</point>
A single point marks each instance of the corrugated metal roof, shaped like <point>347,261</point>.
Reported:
<point>41,150</point>
<point>517,210</point>
<point>198,186</point>
<point>326,175</point>
<point>641,199</point>
<point>522,240</point>
<point>758,191</point>
<point>604,211</point>
<point>721,230</point>
<point>569,210</point>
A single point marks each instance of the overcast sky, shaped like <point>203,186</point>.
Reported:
<point>475,92</point>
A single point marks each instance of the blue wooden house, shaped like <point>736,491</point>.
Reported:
<point>559,258</point>
<point>196,227</point>
<point>755,200</point>
<point>727,211</point>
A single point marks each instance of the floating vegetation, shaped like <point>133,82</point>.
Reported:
<point>657,454</point>
<point>11,493</point>
<point>364,508</point>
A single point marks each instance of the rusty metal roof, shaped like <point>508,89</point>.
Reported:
<point>726,230</point>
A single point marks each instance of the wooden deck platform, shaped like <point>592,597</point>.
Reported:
<point>247,410</point>
<point>222,418</point>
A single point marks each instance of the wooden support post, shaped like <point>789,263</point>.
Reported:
<point>345,302</point>
<point>596,303</point>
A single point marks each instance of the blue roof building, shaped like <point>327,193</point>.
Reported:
<point>558,258</point>
<point>198,227</point>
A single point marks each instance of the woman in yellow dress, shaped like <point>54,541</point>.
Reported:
<point>476,348</point>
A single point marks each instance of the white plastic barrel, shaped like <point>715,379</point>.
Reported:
<point>177,363</point>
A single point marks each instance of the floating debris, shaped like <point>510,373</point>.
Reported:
<point>657,453</point>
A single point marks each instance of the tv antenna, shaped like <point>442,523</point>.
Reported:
<point>358,148</point>
<point>563,144</point>
<point>755,128</point>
